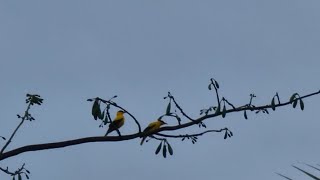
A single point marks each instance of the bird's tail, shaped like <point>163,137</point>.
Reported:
<point>143,138</point>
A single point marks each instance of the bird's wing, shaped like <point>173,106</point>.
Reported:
<point>149,128</point>
<point>116,123</point>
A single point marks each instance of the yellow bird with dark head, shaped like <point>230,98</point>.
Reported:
<point>117,122</point>
<point>152,127</point>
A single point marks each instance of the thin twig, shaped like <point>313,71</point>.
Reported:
<point>229,103</point>
<point>216,89</point>
<point>178,106</point>
<point>26,114</point>
<point>18,171</point>
<point>189,135</point>
<point>7,171</point>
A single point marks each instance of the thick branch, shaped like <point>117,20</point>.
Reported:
<point>62,144</point>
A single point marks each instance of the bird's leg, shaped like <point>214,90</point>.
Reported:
<point>118,132</point>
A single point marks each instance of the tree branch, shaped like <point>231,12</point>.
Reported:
<point>178,106</point>
<point>26,114</point>
<point>7,171</point>
<point>37,147</point>
<point>189,135</point>
<point>21,170</point>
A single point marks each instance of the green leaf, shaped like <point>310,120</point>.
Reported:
<point>245,115</point>
<point>26,176</point>
<point>164,150</point>
<point>158,148</point>
<point>293,97</point>
<point>217,85</point>
<point>295,102</point>
<point>168,108</point>
<point>273,104</point>
<point>101,115</point>
<point>224,111</point>
<point>209,87</point>
<point>170,149</point>
<point>19,177</point>
<point>96,109</point>
<point>203,125</point>
<point>225,135</point>
<point>301,105</point>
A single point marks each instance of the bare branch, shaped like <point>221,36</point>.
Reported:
<point>189,135</point>
<point>6,171</point>
<point>178,106</point>
<point>26,114</point>
<point>21,170</point>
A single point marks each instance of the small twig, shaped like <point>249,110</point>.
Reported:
<point>172,115</point>
<point>7,171</point>
<point>154,137</point>
<point>251,98</point>
<point>189,135</point>
<point>277,95</point>
<point>180,109</point>
<point>26,114</point>
<point>216,89</point>
<point>18,171</point>
<point>229,103</point>
<point>108,115</point>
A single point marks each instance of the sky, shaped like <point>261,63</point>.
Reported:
<point>69,51</point>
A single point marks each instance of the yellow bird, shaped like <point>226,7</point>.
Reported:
<point>152,127</point>
<point>117,122</point>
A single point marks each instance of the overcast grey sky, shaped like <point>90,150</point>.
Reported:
<point>68,51</point>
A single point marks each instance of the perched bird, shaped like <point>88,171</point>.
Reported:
<point>151,127</point>
<point>117,122</point>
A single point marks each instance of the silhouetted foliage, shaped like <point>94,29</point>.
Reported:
<point>101,112</point>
